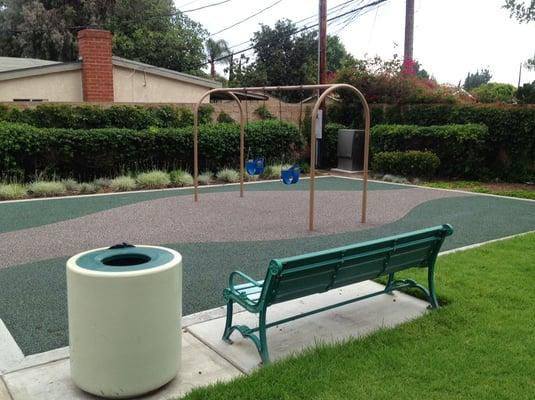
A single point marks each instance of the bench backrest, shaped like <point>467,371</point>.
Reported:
<point>295,277</point>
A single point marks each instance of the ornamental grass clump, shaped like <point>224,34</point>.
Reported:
<point>181,178</point>
<point>47,188</point>
<point>228,175</point>
<point>123,183</point>
<point>102,183</point>
<point>153,179</point>
<point>205,178</point>
<point>274,171</point>
<point>12,191</point>
<point>88,188</point>
<point>71,184</point>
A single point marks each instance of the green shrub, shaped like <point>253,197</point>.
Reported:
<point>205,178</point>
<point>47,188</point>
<point>123,183</point>
<point>224,118</point>
<point>12,191</point>
<point>71,185</point>
<point>108,152</point>
<point>93,116</point>
<point>87,188</point>
<point>495,93</point>
<point>406,163</point>
<point>526,93</point>
<point>331,143</point>
<point>461,148</point>
<point>263,112</point>
<point>228,175</point>
<point>205,113</point>
<point>153,179</point>
<point>181,178</point>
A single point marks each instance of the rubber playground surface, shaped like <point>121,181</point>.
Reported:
<point>216,236</point>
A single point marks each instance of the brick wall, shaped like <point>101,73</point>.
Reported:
<point>95,49</point>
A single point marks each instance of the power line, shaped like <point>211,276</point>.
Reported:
<point>314,16</point>
<point>247,18</point>
<point>355,10</point>
<point>206,6</point>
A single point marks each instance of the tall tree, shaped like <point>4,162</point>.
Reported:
<point>150,31</point>
<point>477,79</point>
<point>283,57</point>
<point>523,12</point>
<point>217,52</point>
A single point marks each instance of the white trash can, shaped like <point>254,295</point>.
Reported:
<point>125,311</point>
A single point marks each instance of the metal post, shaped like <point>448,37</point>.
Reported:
<point>196,139</point>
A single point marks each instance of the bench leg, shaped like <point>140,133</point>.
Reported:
<point>228,323</point>
<point>388,286</point>
<point>263,348</point>
<point>431,284</point>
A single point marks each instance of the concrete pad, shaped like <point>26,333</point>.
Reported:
<point>200,366</point>
<point>4,394</point>
<point>10,353</point>
<point>331,326</point>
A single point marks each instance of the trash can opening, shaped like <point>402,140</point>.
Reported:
<point>126,260</point>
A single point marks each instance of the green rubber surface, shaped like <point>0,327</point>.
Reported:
<point>33,297</point>
<point>29,214</point>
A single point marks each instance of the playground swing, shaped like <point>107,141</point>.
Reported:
<point>290,176</point>
<point>253,166</point>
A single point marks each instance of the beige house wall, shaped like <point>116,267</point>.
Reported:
<point>135,86</point>
<point>62,86</point>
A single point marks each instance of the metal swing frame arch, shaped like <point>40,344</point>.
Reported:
<point>326,90</point>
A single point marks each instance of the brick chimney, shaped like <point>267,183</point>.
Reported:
<point>94,47</point>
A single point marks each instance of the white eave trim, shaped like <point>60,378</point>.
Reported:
<point>40,70</point>
<point>166,73</point>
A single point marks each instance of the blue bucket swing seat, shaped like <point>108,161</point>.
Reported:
<point>255,166</point>
<point>290,176</point>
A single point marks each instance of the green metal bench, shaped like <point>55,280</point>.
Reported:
<point>299,276</point>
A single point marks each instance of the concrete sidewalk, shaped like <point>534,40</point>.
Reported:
<point>205,357</point>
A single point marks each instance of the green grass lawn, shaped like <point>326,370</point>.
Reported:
<point>480,187</point>
<point>480,346</point>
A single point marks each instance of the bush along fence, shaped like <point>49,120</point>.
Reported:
<point>411,163</point>
<point>27,151</point>
<point>508,150</point>
<point>460,148</point>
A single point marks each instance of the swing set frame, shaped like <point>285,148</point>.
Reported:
<point>326,90</point>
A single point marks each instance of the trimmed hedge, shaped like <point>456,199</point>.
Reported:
<point>85,154</point>
<point>422,164</point>
<point>460,148</point>
<point>94,117</point>
<point>509,150</point>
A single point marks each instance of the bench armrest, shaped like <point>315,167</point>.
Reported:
<point>243,276</point>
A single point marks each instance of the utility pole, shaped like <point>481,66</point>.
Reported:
<point>322,77</point>
<point>408,57</point>
<point>519,76</point>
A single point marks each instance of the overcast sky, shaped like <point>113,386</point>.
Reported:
<point>452,37</point>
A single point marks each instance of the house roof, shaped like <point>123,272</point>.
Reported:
<point>15,68</point>
<point>164,72</point>
<point>13,63</point>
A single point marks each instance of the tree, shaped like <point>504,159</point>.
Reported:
<point>217,52</point>
<point>526,93</point>
<point>283,57</point>
<point>337,55</point>
<point>523,12</point>
<point>477,79</point>
<point>150,31</point>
